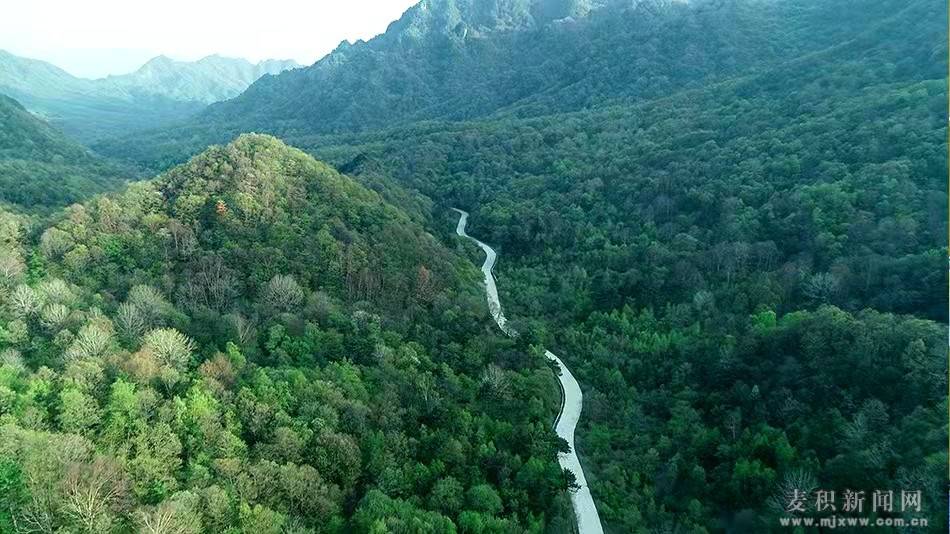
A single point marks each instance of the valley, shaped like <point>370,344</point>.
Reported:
<point>572,399</point>
<point>243,297</point>
<point>161,92</point>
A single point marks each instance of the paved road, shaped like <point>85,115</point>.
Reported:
<point>588,520</point>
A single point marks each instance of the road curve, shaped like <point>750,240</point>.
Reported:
<point>588,520</point>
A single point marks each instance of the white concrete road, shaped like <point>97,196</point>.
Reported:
<point>588,520</point>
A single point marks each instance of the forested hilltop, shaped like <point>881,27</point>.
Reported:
<point>252,342</point>
<point>728,218</point>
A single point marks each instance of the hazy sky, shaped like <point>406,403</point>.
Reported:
<point>93,38</point>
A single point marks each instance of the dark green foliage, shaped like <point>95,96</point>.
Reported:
<point>758,218</point>
<point>463,59</point>
<point>705,262</point>
<point>714,420</point>
<point>41,167</point>
<point>251,342</point>
<point>13,493</point>
<point>729,219</point>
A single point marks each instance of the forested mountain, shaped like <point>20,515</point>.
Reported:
<point>39,166</point>
<point>161,92</point>
<point>210,79</point>
<point>731,217</point>
<point>743,276</point>
<point>728,217</point>
<point>462,59</point>
<point>252,342</point>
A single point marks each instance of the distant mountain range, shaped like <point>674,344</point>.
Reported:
<point>211,79</point>
<point>160,92</point>
<point>465,59</point>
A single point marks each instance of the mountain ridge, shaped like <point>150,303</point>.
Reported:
<point>160,92</point>
<point>391,81</point>
<point>39,166</point>
<point>210,79</point>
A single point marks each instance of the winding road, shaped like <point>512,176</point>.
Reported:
<point>588,520</point>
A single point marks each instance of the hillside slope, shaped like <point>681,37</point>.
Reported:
<point>210,79</point>
<point>254,342</point>
<point>39,166</point>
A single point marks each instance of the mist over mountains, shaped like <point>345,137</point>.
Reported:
<point>210,79</point>
<point>459,60</point>
<point>160,92</point>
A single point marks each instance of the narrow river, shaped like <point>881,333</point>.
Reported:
<point>588,520</point>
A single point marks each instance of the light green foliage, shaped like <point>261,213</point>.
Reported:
<point>11,267</point>
<point>24,301</point>
<point>379,513</point>
<point>170,347</point>
<point>94,340</point>
<point>447,496</point>
<point>79,413</point>
<point>155,462</point>
<point>283,293</point>
<point>54,316</point>
<point>179,514</point>
<point>483,498</point>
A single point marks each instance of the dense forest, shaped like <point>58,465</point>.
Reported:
<point>41,167</point>
<point>728,218</point>
<point>743,276</point>
<point>166,368</point>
